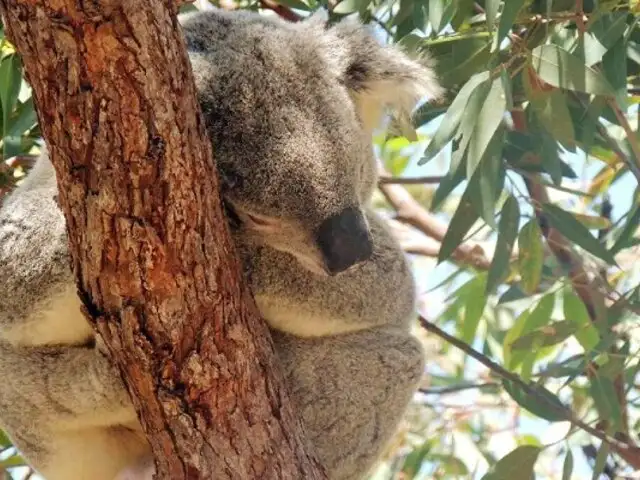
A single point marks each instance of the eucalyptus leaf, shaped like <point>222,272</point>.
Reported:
<point>561,69</point>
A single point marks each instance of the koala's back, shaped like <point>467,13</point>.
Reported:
<point>40,303</point>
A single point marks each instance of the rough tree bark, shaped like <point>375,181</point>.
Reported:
<point>150,245</point>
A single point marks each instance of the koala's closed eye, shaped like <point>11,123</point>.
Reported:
<point>230,180</point>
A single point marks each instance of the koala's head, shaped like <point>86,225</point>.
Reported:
<point>290,109</point>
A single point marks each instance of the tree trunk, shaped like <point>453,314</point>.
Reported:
<point>150,246</point>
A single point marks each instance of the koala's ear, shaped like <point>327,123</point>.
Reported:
<point>379,77</point>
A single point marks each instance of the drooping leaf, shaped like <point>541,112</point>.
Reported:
<point>527,322</point>
<point>10,82</point>
<point>542,403</point>
<point>603,393</point>
<point>545,336</point>
<point>486,124</point>
<point>571,228</point>
<point>451,180</point>
<point>614,66</point>
<point>413,461</point>
<point>461,222</point>
<point>25,119</point>
<point>491,13</point>
<point>601,461</point>
<point>609,28</point>
<point>449,464</point>
<point>449,126</point>
<point>475,302</point>
<point>530,256</point>
<point>13,461</point>
<point>508,230</point>
<point>561,69</point>
<point>627,233</point>
<point>552,111</point>
<point>491,175</point>
<point>518,463</point>
<point>567,467</point>
<point>509,13</point>
<point>575,311</point>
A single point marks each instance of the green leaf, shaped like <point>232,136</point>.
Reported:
<point>551,109</point>
<point>475,301</point>
<point>530,256</point>
<point>601,461</point>
<point>609,28</point>
<point>10,82</point>
<point>449,464</point>
<point>5,441</point>
<point>508,230</point>
<point>614,65</point>
<point>561,69</point>
<point>518,464</point>
<point>627,232</point>
<point>575,311</point>
<point>461,222</point>
<point>491,175</point>
<point>487,121</point>
<point>451,180</point>
<point>589,49</point>
<point>527,322</point>
<point>603,393</point>
<point>567,467</point>
<point>25,119</point>
<point>491,13</point>
<point>413,461</point>
<point>449,125</point>
<point>440,13</point>
<point>13,461</point>
<point>546,336</point>
<point>542,403</point>
<point>571,228</point>
<point>509,13</point>
<point>593,221</point>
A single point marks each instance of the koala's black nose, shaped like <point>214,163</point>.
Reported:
<point>344,240</point>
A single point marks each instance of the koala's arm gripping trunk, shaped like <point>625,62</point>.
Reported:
<point>150,248</point>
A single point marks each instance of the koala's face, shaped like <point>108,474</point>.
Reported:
<point>286,107</point>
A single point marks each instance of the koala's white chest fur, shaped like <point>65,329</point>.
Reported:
<point>56,320</point>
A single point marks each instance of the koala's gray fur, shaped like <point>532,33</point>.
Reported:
<point>290,110</point>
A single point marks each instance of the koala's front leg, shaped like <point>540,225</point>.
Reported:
<point>352,391</point>
<point>67,387</point>
<point>67,411</point>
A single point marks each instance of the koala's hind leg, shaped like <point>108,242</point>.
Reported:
<point>351,390</point>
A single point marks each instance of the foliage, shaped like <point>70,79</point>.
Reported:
<point>536,159</point>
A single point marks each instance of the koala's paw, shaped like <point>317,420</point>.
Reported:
<point>143,470</point>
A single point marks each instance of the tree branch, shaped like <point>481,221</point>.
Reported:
<point>411,212</point>
<point>150,246</point>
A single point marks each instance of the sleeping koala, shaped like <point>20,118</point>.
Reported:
<point>290,110</point>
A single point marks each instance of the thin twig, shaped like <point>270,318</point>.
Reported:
<point>457,388</point>
<point>388,180</point>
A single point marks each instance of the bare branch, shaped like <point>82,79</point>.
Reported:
<point>411,212</point>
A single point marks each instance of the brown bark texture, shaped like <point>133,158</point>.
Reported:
<point>155,264</point>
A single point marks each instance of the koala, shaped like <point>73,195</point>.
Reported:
<point>290,109</point>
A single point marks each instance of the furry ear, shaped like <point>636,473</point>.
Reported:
<point>379,77</point>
